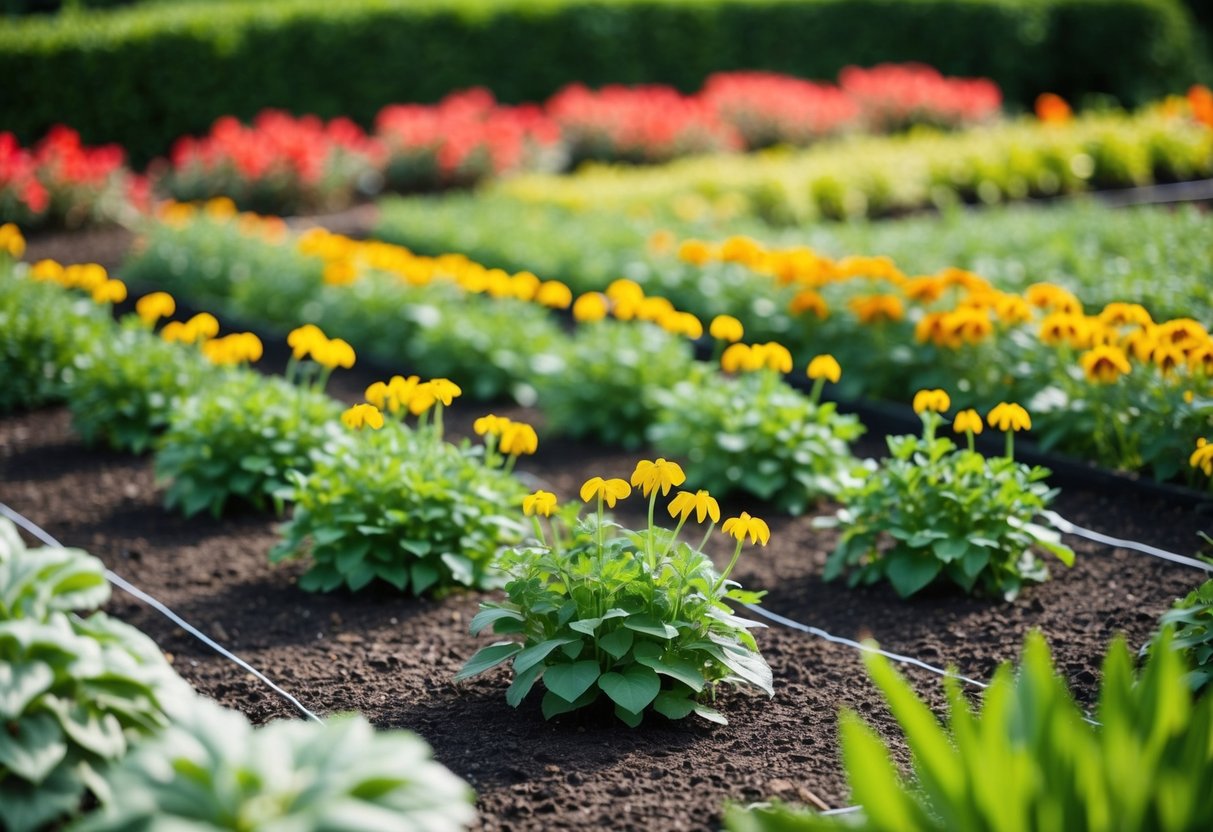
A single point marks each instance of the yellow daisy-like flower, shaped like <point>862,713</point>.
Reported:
<point>809,301</point>
<point>609,491</point>
<point>873,309</point>
<point>445,390</point>
<point>695,252</point>
<point>775,356</point>
<point>1125,314</point>
<point>968,421</point>
<point>362,415</point>
<point>11,240</point>
<point>554,295</point>
<point>726,328</point>
<point>1105,364</point>
<point>541,503</point>
<point>204,325</point>
<point>738,358</point>
<point>518,438</point>
<point>825,366</point>
<point>111,291</point>
<point>302,339</point>
<point>333,353</point>
<point>1202,457</point>
<point>524,285</point>
<point>592,306</point>
<point>739,527</point>
<point>422,398</point>
<point>1009,417</point>
<point>153,307</point>
<point>47,270</point>
<point>659,473</point>
<point>936,401</point>
<point>490,424</point>
<point>625,291</point>
<point>701,503</point>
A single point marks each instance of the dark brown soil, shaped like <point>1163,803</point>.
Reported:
<point>393,658</point>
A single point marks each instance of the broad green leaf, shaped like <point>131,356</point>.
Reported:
<point>650,626</point>
<point>554,705</point>
<point>537,653</point>
<point>633,689</point>
<point>522,684</point>
<point>629,718</point>
<point>20,684</point>
<point>673,705</point>
<point>488,615</point>
<point>569,681</point>
<point>486,658</point>
<point>617,643</point>
<point>710,714</point>
<point>909,573</point>
<point>32,746</point>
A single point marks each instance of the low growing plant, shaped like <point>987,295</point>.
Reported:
<point>755,433</point>
<point>74,691</point>
<point>639,616</point>
<point>935,512</point>
<point>599,386</point>
<point>240,438</point>
<point>1029,759</point>
<point>401,505</point>
<point>1191,619</point>
<point>213,771</point>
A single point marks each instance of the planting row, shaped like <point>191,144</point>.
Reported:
<point>647,607</point>
<point>1114,386</point>
<point>876,176</point>
<point>284,164</point>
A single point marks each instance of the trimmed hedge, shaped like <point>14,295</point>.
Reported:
<point>143,76</point>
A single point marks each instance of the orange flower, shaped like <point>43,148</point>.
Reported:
<point>1105,364</point>
<point>1053,109</point>
<point>877,308</point>
<point>1200,99</point>
<point>809,301</point>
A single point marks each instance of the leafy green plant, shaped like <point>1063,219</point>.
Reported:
<point>599,386</point>
<point>933,512</point>
<point>74,692</point>
<point>1028,759</point>
<point>1191,620</point>
<point>239,438</point>
<point>213,771</point>
<point>42,329</point>
<point>755,433</point>
<point>401,506</point>
<point>639,616</point>
<point>126,386</point>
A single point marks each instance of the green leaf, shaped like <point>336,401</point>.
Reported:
<point>874,781</point>
<point>554,705</point>
<point>951,548</point>
<point>20,684</point>
<point>424,576</point>
<point>420,548</point>
<point>462,570</point>
<point>538,652</point>
<point>673,705</point>
<point>489,615</point>
<point>32,746</point>
<point>633,689</point>
<point>522,684</point>
<point>676,668</point>
<point>629,718</point>
<point>617,643</point>
<point>650,626</point>
<point>710,714</point>
<point>570,681</point>
<point>487,658</point>
<point>910,572</point>
<point>590,625</point>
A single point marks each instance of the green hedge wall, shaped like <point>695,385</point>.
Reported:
<point>144,75</point>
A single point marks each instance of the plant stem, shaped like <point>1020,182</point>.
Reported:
<point>1010,444</point>
<point>670,544</point>
<point>725,574</point>
<point>704,542</point>
<point>539,530</point>
<point>815,394</point>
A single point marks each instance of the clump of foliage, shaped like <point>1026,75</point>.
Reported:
<point>1029,758</point>
<point>638,616</point>
<point>400,505</point>
<point>75,691</point>
<point>213,771</point>
<point>1191,619</point>
<point>756,434</point>
<point>935,512</point>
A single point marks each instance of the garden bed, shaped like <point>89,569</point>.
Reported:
<point>392,658</point>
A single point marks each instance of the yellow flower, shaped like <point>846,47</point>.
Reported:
<point>111,291</point>
<point>740,358</point>
<point>625,291</point>
<point>422,398</point>
<point>877,308</point>
<point>927,289</point>
<point>1065,327</point>
<point>1122,314</point>
<point>48,270</point>
<point>739,527</point>
<point>220,208</point>
<point>702,503</point>
<point>1202,457</point>
<point>302,339</point>
<point>377,394</point>
<point>518,438</point>
<point>490,424</point>
<point>554,295</point>
<point>683,323</point>
<point>524,285</point>
<point>11,240</point>
<point>825,366</point>
<point>967,325</point>
<point>774,356</point>
<point>332,353</point>
<point>591,306</point>
<point>967,421</point>
<point>155,306</point>
<point>362,415</point>
<point>340,273</point>
<point>726,328</point>
<point>936,401</point>
<point>660,473</point>
<point>1053,298</point>
<point>541,502</point>
<point>1009,417</point>
<point>653,309</point>
<point>445,390</point>
<point>662,241</point>
<point>609,491</point>
<point>86,276</point>
<point>1167,358</point>
<point>695,252</point>
<point>1012,309</point>
<point>809,301</point>
<point>1182,333</point>
<point>1105,364</point>
<point>174,331</point>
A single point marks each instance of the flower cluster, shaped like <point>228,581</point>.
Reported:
<point>637,617</point>
<point>895,96</point>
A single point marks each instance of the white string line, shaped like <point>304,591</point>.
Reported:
<point>1066,526</point>
<point>122,583</point>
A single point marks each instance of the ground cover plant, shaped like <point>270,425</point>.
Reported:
<point>1070,769</point>
<point>935,512</point>
<point>1190,621</point>
<point>637,616</point>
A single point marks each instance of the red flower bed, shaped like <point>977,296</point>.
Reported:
<point>894,96</point>
<point>463,139</point>
<point>60,182</point>
<point>766,108</point>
